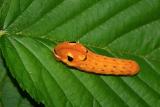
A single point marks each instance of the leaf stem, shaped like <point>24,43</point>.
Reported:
<point>2,33</point>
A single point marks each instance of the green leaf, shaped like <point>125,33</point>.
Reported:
<point>10,93</point>
<point>126,29</point>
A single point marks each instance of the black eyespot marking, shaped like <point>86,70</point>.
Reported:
<point>55,51</point>
<point>85,58</point>
<point>73,42</point>
<point>69,58</point>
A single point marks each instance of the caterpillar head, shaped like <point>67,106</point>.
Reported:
<point>70,53</point>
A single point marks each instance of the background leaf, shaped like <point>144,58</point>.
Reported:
<point>10,93</point>
<point>126,29</point>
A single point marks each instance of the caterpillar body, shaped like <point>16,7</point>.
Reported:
<point>78,56</point>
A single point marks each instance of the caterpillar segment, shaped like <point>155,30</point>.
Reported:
<point>78,56</point>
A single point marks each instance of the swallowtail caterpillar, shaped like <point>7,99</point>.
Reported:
<point>78,56</point>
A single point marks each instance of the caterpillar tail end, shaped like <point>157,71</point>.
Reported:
<point>135,68</point>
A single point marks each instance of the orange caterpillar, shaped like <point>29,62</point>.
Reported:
<point>76,55</point>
